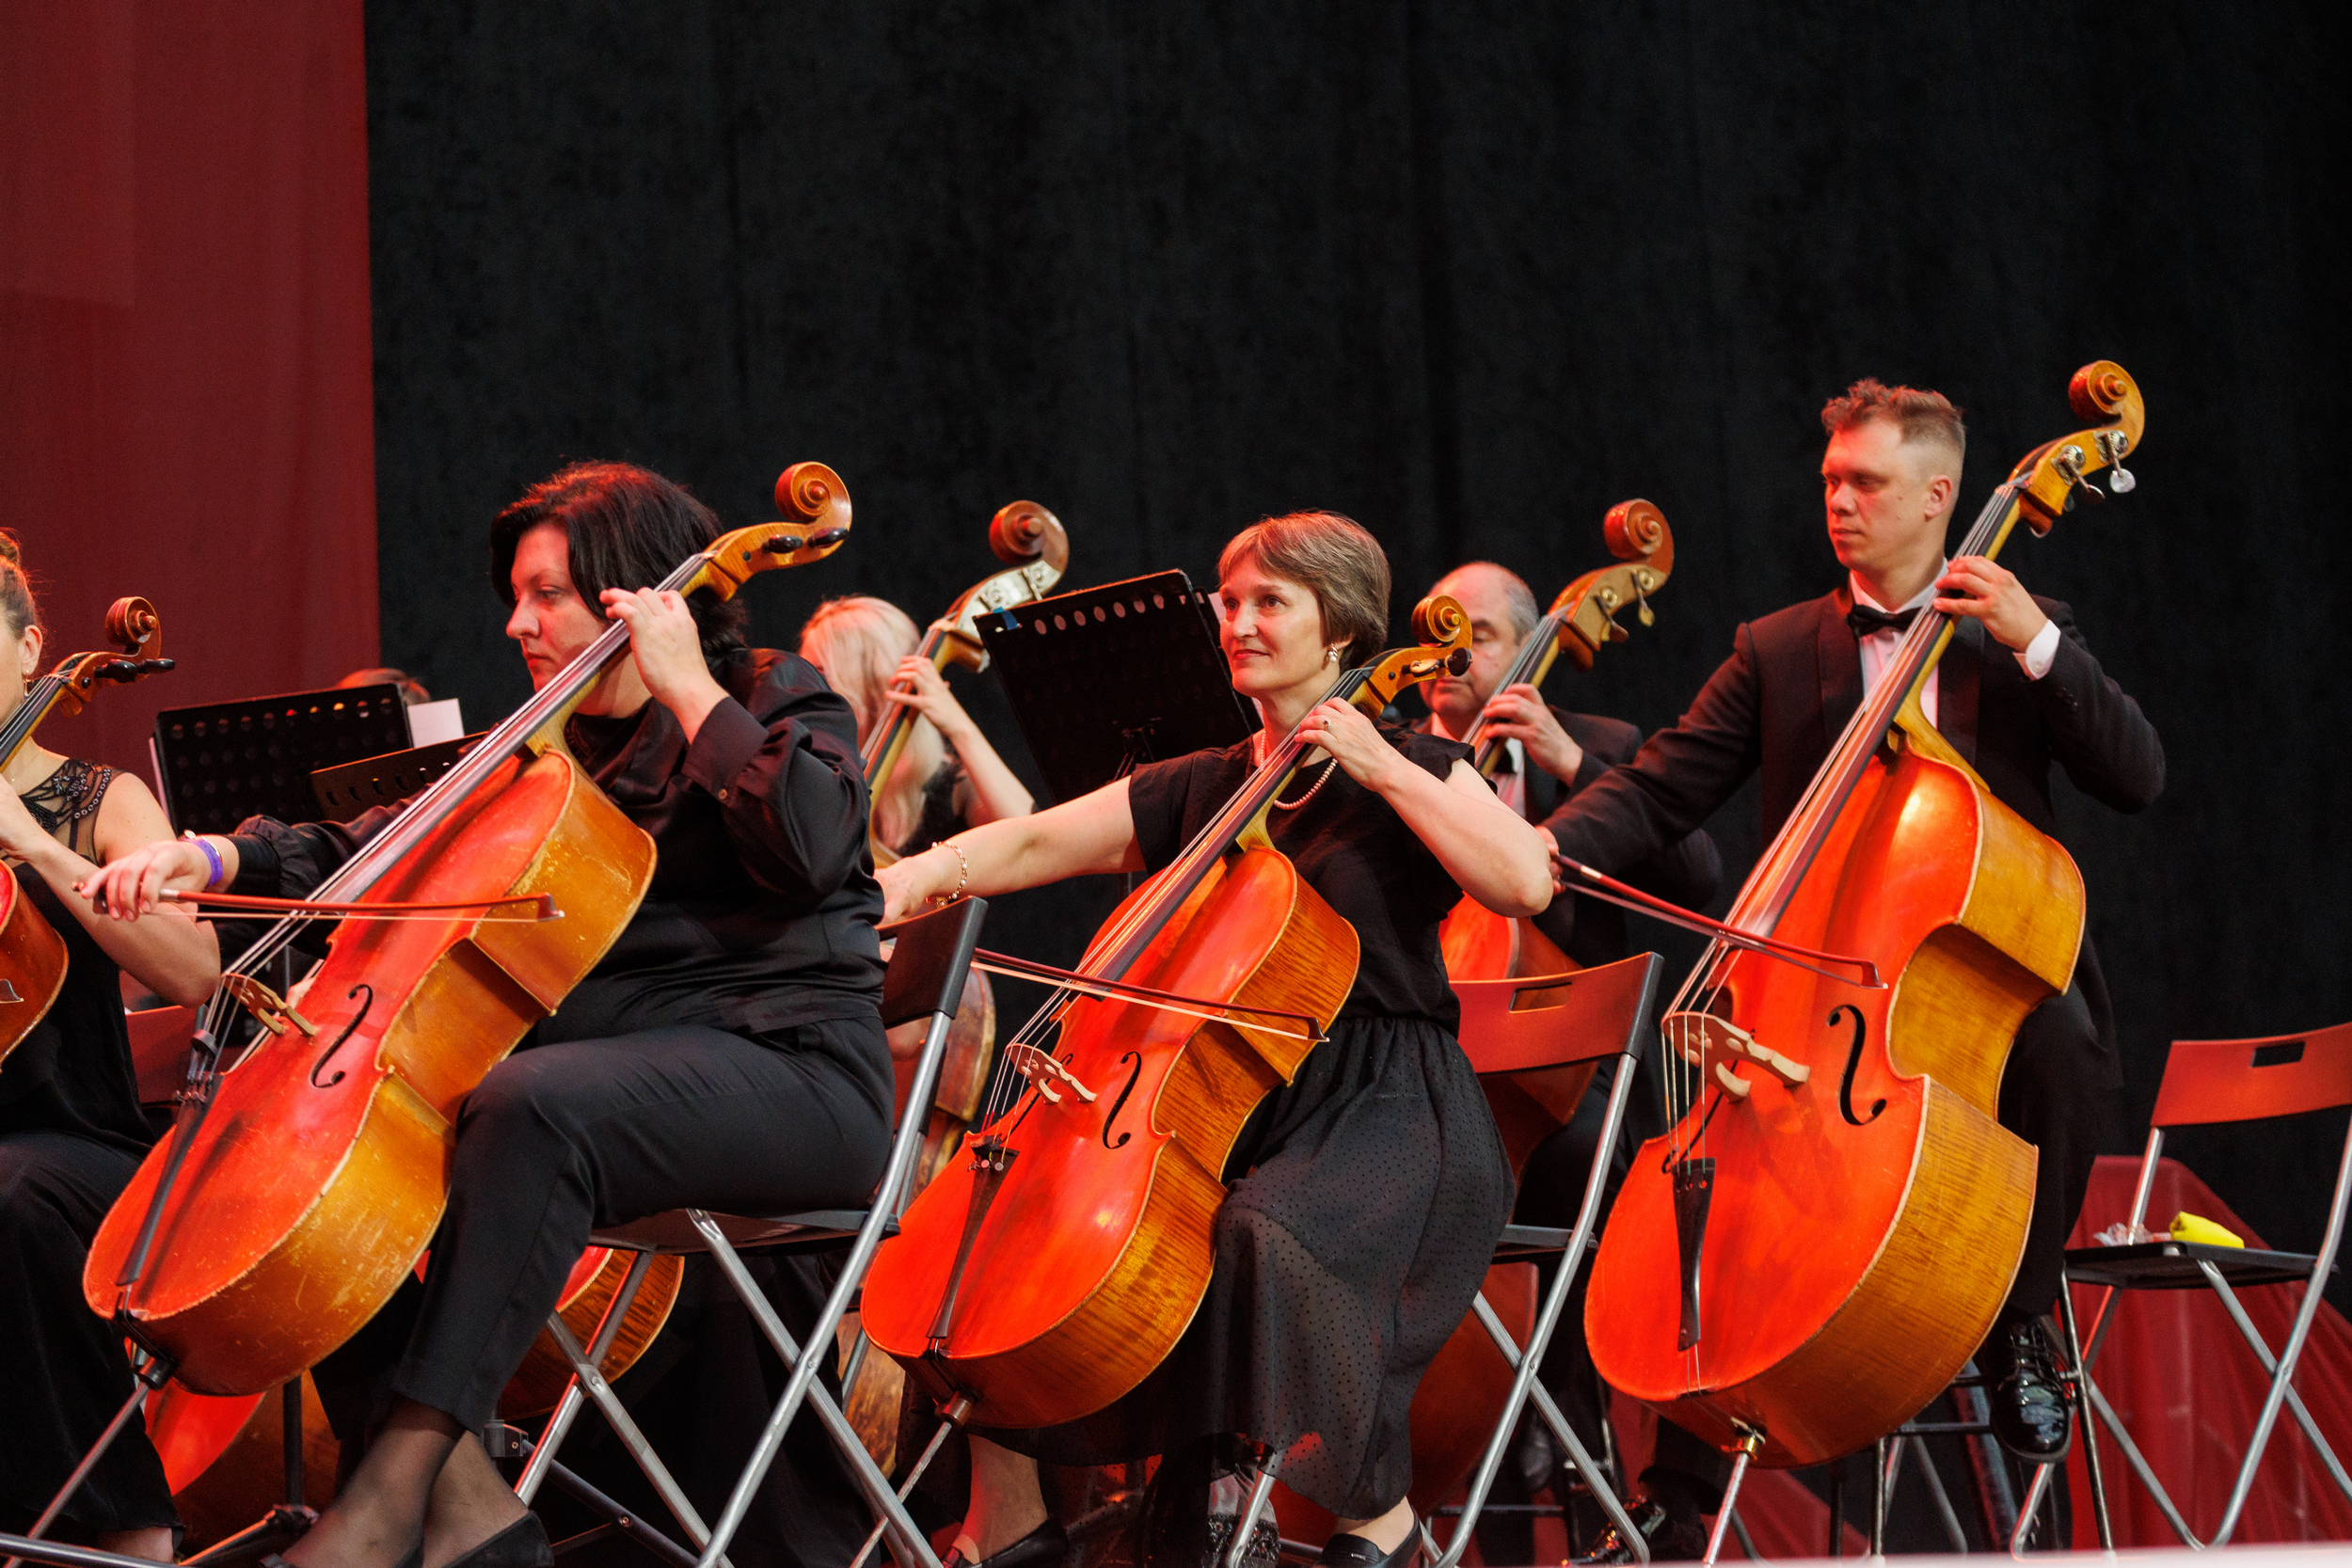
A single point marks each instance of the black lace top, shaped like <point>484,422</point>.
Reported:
<point>73,1072</point>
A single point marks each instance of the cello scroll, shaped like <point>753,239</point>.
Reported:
<point>1445,635</point>
<point>819,503</point>
<point>2052,477</point>
<point>1638,536</point>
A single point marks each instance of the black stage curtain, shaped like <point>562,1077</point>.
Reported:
<point>1470,273</point>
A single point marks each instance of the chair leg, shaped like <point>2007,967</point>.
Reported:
<point>1528,1392</point>
<point>2083,1414</point>
<point>950,1419</point>
<point>2283,1382</point>
<point>1261,1492</point>
<point>625,1428</point>
<point>1943,1508</point>
<point>567,1407</point>
<point>906,1540</point>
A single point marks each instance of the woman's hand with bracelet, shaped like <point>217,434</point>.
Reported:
<point>134,885</point>
<point>909,885</point>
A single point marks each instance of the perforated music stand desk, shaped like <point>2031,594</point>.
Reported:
<point>1110,677</point>
<point>224,762</point>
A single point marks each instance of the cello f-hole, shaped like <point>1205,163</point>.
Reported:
<point>1134,1075</point>
<point>328,1054</point>
<point>1853,1060</point>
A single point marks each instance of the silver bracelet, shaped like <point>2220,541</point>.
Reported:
<point>963,881</point>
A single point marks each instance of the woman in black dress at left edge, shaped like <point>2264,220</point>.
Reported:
<point>72,1132</point>
<point>727,1053</point>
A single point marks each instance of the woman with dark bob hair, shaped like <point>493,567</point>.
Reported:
<point>1365,1198</point>
<point>727,1053</point>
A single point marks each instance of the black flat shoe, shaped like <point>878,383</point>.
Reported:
<point>1672,1535</point>
<point>1354,1551</point>
<point>1047,1545</point>
<point>2029,1410</point>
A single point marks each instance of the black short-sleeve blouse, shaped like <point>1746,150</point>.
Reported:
<point>1353,850</point>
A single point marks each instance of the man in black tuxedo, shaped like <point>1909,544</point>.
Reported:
<point>2016,691</point>
<point>1550,755</point>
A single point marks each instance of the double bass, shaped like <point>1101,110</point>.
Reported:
<point>1478,943</point>
<point>1036,549</point>
<point>1833,1220</point>
<point>1052,1271</point>
<point>296,1190</point>
<point>32,954</point>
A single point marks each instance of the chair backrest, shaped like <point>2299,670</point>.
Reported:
<point>2216,1080</point>
<point>161,1038</point>
<point>1546,1020</point>
<point>929,965</point>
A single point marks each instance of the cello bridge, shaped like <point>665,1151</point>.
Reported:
<point>1693,1035</point>
<point>270,1010</point>
<point>1044,1071</point>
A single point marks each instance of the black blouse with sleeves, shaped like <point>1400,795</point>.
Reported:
<point>763,903</point>
<point>1352,849</point>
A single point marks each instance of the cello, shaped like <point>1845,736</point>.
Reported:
<point>1036,549</point>
<point>1832,1223</point>
<point>1050,1273</point>
<point>1478,943</point>
<point>296,1190</point>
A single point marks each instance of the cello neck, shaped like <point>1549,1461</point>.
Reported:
<point>888,738</point>
<point>1529,668</point>
<point>1774,882</point>
<point>17,733</point>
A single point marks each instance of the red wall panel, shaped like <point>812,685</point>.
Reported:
<point>185,409</point>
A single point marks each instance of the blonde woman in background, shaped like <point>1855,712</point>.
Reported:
<point>948,776</point>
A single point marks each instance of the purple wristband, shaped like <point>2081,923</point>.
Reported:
<point>220,871</point>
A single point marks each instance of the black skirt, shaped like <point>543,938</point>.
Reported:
<point>1364,1218</point>
<point>66,1373</point>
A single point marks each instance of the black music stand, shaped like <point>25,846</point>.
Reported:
<point>348,788</point>
<point>1110,677</point>
<point>219,764</point>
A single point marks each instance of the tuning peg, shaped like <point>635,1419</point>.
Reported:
<point>2114,444</point>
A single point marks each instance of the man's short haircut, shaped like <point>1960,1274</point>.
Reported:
<point>1921,416</point>
<point>1518,598</point>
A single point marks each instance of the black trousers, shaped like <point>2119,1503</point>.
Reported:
<point>2055,1095</point>
<point>65,1374</point>
<point>562,1137</point>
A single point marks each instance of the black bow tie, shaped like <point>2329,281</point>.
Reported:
<point>1865,620</point>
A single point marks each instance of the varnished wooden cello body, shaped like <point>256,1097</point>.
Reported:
<point>1830,1226</point>
<point>1050,1273</point>
<point>305,1192</point>
<point>32,954</point>
<point>1478,943</point>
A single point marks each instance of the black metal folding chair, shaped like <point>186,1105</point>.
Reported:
<point>924,980</point>
<point>2207,1083</point>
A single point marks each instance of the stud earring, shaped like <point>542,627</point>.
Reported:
<point>1331,656</point>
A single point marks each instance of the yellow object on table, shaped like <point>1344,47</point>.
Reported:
<point>2196,1227</point>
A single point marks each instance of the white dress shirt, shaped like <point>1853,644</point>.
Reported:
<point>1879,647</point>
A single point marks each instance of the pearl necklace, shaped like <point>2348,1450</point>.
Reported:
<point>1257,751</point>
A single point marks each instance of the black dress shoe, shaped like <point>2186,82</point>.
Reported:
<point>1354,1551</point>
<point>1672,1535</point>
<point>1043,1546</point>
<point>2030,1414</point>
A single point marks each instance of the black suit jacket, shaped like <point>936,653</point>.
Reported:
<point>1793,681</point>
<point>1686,872</point>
